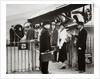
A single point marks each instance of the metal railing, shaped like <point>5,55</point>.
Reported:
<point>22,60</point>
<point>90,48</point>
<point>89,51</point>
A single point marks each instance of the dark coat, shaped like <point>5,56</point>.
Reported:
<point>54,37</point>
<point>18,33</point>
<point>44,46</point>
<point>30,34</point>
<point>81,53</point>
<point>11,35</point>
<point>82,36</point>
<point>45,41</point>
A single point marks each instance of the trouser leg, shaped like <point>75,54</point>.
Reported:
<point>44,67</point>
<point>55,55</point>
<point>81,60</point>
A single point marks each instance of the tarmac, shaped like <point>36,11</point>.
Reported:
<point>54,68</point>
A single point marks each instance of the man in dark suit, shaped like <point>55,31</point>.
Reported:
<point>12,36</point>
<point>81,47</point>
<point>30,33</point>
<point>45,46</point>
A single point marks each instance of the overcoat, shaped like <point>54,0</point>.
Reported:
<point>11,35</point>
<point>81,53</point>
<point>30,34</point>
<point>54,37</point>
<point>44,46</point>
<point>44,41</point>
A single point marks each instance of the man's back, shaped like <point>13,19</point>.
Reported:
<point>30,34</point>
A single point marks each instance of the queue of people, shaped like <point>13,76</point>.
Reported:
<point>62,40</point>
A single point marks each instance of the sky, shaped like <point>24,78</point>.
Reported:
<point>13,9</point>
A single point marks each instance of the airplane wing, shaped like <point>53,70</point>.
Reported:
<point>50,16</point>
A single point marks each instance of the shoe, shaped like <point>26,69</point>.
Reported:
<point>46,73</point>
<point>63,67</point>
<point>81,71</point>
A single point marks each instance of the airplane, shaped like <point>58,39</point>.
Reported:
<point>67,10</point>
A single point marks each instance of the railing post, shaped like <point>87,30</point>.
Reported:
<point>11,58</point>
<point>32,56</point>
<point>35,56</point>
<point>18,58</point>
<point>90,44</point>
<point>25,60</point>
<point>21,60</point>
<point>14,60</point>
<point>28,55</point>
<point>7,56</point>
<point>93,52</point>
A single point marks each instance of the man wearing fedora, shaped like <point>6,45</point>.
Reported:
<point>45,46</point>
<point>81,44</point>
<point>81,47</point>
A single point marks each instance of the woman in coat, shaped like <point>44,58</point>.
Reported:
<point>63,42</point>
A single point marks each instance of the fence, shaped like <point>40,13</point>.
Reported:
<point>89,54</point>
<point>90,48</point>
<point>21,58</point>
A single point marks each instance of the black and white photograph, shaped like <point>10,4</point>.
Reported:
<point>55,39</point>
<point>49,39</point>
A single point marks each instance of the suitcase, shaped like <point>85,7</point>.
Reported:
<point>47,56</point>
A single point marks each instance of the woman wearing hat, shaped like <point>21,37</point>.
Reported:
<point>63,40</point>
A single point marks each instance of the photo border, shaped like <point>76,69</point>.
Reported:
<point>3,43</point>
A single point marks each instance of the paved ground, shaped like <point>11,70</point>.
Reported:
<point>54,68</point>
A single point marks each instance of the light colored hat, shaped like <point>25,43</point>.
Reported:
<point>27,24</point>
<point>80,17</point>
<point>53,23</point>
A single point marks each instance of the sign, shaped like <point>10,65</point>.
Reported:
<point>88,58</point>
<point>23,46</point>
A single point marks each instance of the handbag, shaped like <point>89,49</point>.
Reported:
<point>47,56</point>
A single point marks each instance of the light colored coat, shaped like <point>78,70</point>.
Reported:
<point>63,36</point>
